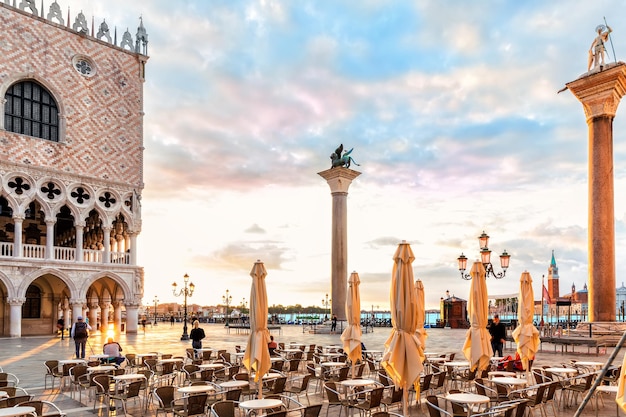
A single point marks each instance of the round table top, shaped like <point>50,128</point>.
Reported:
<point>270,375</point>
<point>66,361</point>
<point>128,377</point>
<point>437,359</point>
<point>261,404</point>
<point>329,364</point>
<point>469,398</point>
<point>16,411</point>
<point>457,363</point>
<point>357,382</point>
<point>559,370</point>
<point>3,394</point>
<point>143,355</point>
<point>589,363</point>
<point>507,380</point>
<point>234,384</point>
<point>206,350</point>
<point>429,354</point>
<point>100,356</point>
<point>194,389</point>
<point>100,368</point>
<point>501,373</point>
<point>211,366</point>
<point>291,350</point>
<point>170,360</point>
<point>276,359</point>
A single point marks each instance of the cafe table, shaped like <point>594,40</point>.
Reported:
<point>211,366</point>
<point>74,361</point>
<point>101,368</point>
<point>589,364</point>
<point>509,380</point>
<point>196,389</point>
<point>467,400</point>
<point>20,410</point>
<point>260,405</point>
<point>235,383</point>
<point>99,356</point>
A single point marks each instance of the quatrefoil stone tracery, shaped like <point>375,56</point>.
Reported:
<point>80,195</point>
<point>51,190</point>
<point>107,199</point>
<point>19,185</point>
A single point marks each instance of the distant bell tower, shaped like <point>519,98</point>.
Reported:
<point>553,279</point>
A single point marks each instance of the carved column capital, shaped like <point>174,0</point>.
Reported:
<point>16,301</point>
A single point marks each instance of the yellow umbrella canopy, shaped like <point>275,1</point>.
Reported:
<point>403,357</point>
<point>421,313</point>
<point>477,347</point>
<point>620,397</point>
<point>526,334</point>
<point>257,356</point>
<point>351,336</point>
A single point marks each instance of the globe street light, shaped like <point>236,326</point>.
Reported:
<point>485,257</point>
<point>226,299</point>
<point>187,291</point>
<point>326,303</point>
<point>156,300</point>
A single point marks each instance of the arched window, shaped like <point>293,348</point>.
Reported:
<point>31,309</point>
<point>31,110</point>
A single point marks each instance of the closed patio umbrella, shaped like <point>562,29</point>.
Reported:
<point>477,347</point>
<point>257,355</point>
<point>351,336</point>
<point>403,357</point>
<point>421,313</point>
<point>526,334</point>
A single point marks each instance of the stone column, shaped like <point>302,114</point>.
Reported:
<point>77,310</point>
<point>117,316</point>
<point>600,94</point>
<point>133,249</point>
<point>107,245</point>
<point>132,316</point>
<point>15,315</point>
<point>50,238</point>
<point>104,317</point>
<point>339,180</point>
<point>79,243</point>
<point>93,315</point>
<point>17,236</point>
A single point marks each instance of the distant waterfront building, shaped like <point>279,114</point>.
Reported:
<point>71,170</point>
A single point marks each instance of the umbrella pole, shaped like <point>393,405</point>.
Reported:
<point>353,369</point>
<point>405,401</point>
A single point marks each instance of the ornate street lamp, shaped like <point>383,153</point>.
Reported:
<point>326,303</point>
<point>156,300</point>
<point>187,291</point>
<point>226,299</point>
<point>485,258</point>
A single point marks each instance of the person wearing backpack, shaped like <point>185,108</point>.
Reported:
<point>196,335</point>
<point>80,333</point>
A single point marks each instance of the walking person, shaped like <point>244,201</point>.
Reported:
<point>171,321</point>
<point>498,335</point>
<point>196,335</point>
<point>333,325</point>
<point>80,333</point>
<point>61,326</point>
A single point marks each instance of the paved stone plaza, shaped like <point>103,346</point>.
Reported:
<point>25,357</point>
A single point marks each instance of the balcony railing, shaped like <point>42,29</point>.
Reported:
<point>64,254</point>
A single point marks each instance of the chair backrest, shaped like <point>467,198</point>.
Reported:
<point>279,385</point>
<point>433,407</point>
<point>77,371</point>
<point>242,376</point>
<point>166,356</point>
<point>43,407</point>
<point>425,383</point>
<point>196,404</point>
<point>51,366</point>
<point>102,383</point>
<point>13,401</point>
<point>131,358</point>
<point>233,394</point>
<point>331,393</point>
<point>225,356</point>
<point>224,408</point>
<point>294,364</point>
<point>552,387</point>
<point>304,385</point>
<point>376,396</point>
<point>133,389</point>
<point>539,394</point>
<point>312,410</point>
<point>452,355</point>
<point>165,395</point>
<point>278,365</point>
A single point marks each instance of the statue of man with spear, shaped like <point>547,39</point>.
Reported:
<point>597,49</point>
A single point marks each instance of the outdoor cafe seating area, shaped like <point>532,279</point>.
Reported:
<point>305,381</point>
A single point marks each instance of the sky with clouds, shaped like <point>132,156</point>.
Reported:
<point>451,108</point>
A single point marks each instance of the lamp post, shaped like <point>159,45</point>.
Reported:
<point>156,300</point>
<point>485,258</point>
<point>187,291</point>
<point>326,304</point>
<point>227,298</point>
<point>243,310</point>
<point>447,308</point>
